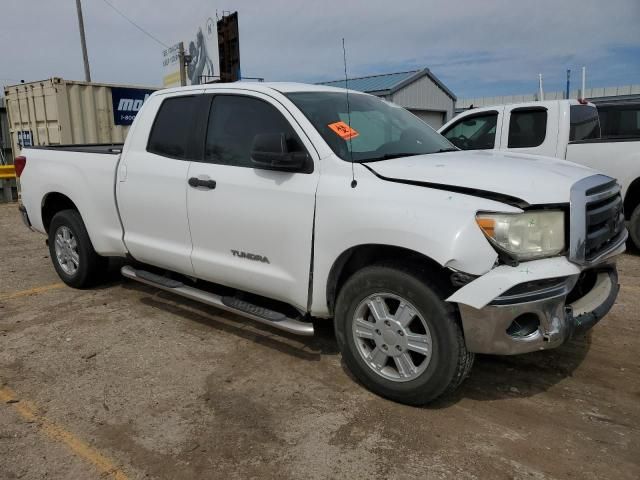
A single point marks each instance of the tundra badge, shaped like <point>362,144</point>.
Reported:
<point>250,256</point>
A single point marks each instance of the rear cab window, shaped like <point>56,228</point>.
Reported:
<point>583,123</point>
<point>527,127</point>
<point>173,132</point>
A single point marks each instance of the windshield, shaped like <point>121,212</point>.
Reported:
<point>377,130</point>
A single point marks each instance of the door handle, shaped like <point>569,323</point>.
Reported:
<point>196,182</point>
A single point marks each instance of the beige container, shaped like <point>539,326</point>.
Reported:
<point>58,111</point>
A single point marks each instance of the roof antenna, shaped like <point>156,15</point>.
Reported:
<point>346,86</point>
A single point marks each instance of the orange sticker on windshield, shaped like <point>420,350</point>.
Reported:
<point>343,130</point>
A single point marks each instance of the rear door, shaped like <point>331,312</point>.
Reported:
<point>152,182</point>
<point>253,228</point>
<point>530,129</point>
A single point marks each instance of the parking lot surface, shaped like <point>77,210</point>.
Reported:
<point>123,381</point>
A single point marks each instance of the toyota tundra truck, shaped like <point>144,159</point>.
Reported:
<point>290,203</point>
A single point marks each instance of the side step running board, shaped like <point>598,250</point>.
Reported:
<point>230,304</point>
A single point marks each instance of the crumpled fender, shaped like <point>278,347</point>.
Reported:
<point>486,288</point>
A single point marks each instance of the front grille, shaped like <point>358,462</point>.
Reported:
<point>597,218</point>
<point>604,222</point>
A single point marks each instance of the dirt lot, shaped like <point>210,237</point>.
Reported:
<point>126,382</point>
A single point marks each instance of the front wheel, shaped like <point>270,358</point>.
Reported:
<point>72,254</point>
<point>634,227</point>
<point>398,336</point>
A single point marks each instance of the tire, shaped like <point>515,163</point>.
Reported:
<point>74,249</point>
<point>634,227</point>
<point>431,375</point>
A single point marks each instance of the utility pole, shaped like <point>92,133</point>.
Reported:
<point>540,89</point>
<point>83,42</point>
<point>568,84</point>
<point>183,62</point>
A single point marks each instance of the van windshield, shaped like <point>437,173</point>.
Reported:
<point>371,129</point>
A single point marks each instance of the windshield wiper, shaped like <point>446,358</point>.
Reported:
<point>388,156</point>
<point>442,150</point>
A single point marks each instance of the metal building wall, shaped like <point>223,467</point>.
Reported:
<point>424,94</point>
<point>594,92</point>
<point>59,111</point>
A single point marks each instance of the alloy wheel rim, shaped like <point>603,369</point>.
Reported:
<point>66,248</point>
<point>392,337</point>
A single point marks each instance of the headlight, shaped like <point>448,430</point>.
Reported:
<point>525,236</point>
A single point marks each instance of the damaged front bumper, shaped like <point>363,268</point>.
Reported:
<point>535,306</point>
<point>542,319</point>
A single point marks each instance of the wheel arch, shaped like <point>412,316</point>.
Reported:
<point>359,256</point>
<point>52,203</point>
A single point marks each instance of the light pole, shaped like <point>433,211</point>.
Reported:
<point>83,42</point>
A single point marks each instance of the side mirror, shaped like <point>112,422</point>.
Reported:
<point>270,152</point>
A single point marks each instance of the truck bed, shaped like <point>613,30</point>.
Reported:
<point>86,176</point>
<point>617,157</point>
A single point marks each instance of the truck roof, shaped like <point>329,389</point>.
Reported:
<point>532,103</point>
<point>282,87</point>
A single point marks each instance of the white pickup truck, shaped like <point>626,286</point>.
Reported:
<point>289,202</point>
<point>566,129</point>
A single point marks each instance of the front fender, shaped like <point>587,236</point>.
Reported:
<point>437,224</point>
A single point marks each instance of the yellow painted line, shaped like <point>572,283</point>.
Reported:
<point>31,291</point>
<point>27,411</point>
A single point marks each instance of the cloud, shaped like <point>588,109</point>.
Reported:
<point>475,47</point>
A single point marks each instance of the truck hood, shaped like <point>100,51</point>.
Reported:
<point>512,178</point>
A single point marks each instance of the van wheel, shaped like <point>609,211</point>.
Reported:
<point>72,254</point>
<point>634,227</point>
<point>398,336</point>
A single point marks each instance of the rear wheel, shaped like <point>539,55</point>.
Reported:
<point>72,254</point>
<point>634,227</point>
<point>398,336</point>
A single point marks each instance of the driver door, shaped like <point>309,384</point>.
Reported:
<point>477,130</point>
<point>252,228</point>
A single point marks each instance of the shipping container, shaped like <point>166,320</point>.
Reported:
<point>58,111</point>
<point>5,138</point>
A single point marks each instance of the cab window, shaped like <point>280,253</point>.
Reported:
<point>527,127</point>
<point>475,132</point>
<point>583,123</point>
<point>172,134</point>
<point>234,122</point>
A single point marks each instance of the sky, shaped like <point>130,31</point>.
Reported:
<point>477,48</point>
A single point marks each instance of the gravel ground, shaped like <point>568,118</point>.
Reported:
<point>123,381</point>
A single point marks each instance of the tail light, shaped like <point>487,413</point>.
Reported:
<point>19,163</point>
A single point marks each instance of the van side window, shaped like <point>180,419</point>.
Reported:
<point>171,134</point>
<point>620,121</point>
<point>527,128</point>
<point>234,122</point>
<point>476,132</point>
